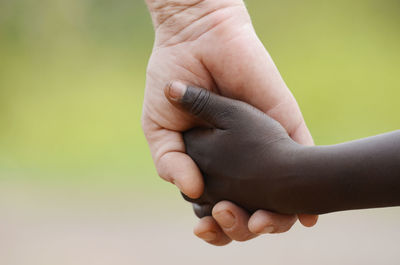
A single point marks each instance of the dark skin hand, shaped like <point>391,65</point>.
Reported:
<point>248,158</point>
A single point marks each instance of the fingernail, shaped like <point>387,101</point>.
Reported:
<point>268,230</point>
<point>225,219</point>
<point>208,236</point>
<point>176,90</point>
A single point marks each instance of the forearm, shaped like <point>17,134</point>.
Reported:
<point>354,175</point>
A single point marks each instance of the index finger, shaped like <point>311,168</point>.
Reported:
<point>171,161</point>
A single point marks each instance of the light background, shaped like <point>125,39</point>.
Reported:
<point>77,184</point>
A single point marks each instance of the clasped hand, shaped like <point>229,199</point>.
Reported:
<point>245,156</point>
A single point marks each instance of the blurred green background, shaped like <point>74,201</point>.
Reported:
<point>72,75</point>
<point>77,183</point>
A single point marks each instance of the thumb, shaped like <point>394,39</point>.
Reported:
<point>207,106</point>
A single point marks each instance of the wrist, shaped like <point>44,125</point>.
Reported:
<point>188,17</point>
<point>295,183</point>
<point>162,10</point>
<point>313,184</point>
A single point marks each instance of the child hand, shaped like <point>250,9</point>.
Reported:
<point>244,154</point>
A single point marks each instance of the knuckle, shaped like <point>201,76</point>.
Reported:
<point>200,102</point>
<point>244,237</point>
<point>146,130</point>
<point>146,124</point>
<point>143,122</point>
<point>165,176</point>
<point>162,171</point>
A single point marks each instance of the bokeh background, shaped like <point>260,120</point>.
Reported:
<point>77,184</point>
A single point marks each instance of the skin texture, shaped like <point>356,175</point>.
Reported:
<point>248,158</point>
<point>212,44</point>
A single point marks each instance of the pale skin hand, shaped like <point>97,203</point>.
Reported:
<point>212,44</point>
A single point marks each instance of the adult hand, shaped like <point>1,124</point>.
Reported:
<point>213,44</point>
